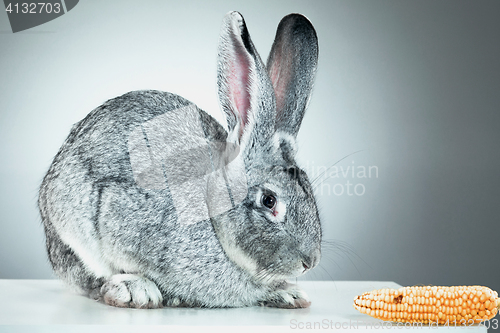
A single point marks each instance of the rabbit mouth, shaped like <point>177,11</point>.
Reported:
<point>270,275</point>
<point>267,277</point>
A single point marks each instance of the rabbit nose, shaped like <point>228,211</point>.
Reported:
<point>308,263</point>
<point>311,261</point>
<point>306,266</point>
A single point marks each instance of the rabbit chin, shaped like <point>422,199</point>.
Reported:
<point>267,277</point>
<point>296,273</point>
<point>250,265</point>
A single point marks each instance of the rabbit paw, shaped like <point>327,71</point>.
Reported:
<point>288,297</point>
<point>131,291</point>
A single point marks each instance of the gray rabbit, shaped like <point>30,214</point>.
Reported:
<point>150,202</point>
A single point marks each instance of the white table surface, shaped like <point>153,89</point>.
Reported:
<point>48,306</point>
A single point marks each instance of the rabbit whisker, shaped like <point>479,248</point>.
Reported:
<point>331,166</point>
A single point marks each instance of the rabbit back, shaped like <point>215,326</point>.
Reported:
<point>90,200</point>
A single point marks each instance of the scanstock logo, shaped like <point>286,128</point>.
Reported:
<point>24,14</point>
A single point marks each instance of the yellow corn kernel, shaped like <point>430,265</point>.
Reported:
<point>430,304</point>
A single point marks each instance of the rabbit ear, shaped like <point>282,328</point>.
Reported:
<point>245,91</point>
<point>291,67</point>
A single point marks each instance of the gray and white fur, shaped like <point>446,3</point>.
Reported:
<point>115,241</point>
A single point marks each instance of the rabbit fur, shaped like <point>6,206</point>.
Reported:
<point>121,243</point>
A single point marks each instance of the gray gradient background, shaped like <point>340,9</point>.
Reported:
<point>414,84</point>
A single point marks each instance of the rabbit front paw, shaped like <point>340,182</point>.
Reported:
<point>131,291</point>
<point>290,296</point>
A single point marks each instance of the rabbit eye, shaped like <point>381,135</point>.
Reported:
<point>269,201</point>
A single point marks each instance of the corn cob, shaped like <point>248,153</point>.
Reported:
<point>442,305</point>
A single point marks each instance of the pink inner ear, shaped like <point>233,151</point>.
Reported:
<point>279,76</point>
<point>239,85</point>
